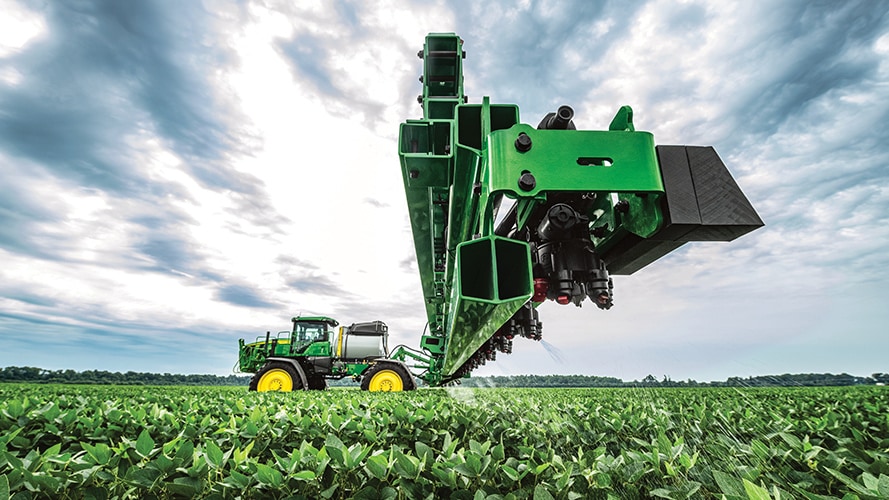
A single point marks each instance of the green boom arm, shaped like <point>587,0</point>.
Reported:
<point>505,215</point>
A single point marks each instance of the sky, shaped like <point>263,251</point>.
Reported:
<point>175,176</point>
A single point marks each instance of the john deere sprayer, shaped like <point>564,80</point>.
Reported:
<point>506,215</point>
<point>317,349</point>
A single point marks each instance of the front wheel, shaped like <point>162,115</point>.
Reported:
<point>385,377</point>
<point>276,376</point>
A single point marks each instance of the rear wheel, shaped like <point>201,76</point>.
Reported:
<point>386,377</point>
<point>276,376</point>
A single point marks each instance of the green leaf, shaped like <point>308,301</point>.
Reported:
<point>406,466</point>
<point>162,463</point>
<point>730,485</point>
<point>760,449</point>
<point>144,444</point>
<point>540,493</point>
<point>269,476</point>
<point>791,440</point>
<point>240,455</point>
<point>10,435</point>
<point>687,490</point>
<point>336,450</point>
<point>53,450</point>
<point>446,476</point>
<point>755,492</point>
<point>94,493</point>
<point>185,486</point>
<point>214,454</point>
<point>305,475</point>
<point>670,493</point>
<point>688,461</point>
<point>423,449</point>
<point>4,487</point>
<point>448,444</point>
<point>100,453</point>
<point>663,443</point>
<point>400,412</point>
<point>185,452</point>
<point>329,492</point>
<point>474,463</point>
<point>199,468</point>
<point>883,485</point>
<point>510,472</point>
<point>848,481</point>
<point>14,409</point>
<point>479,448</point>
<point>237,480</point>
<point>603,480</point>
<point>378,466</point>
<point>143,477</point>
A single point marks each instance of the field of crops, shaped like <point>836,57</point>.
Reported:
<point>173,442</point>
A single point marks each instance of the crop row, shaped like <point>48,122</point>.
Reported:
<point>124,442</point>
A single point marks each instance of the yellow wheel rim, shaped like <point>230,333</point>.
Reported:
<point>275,379</point>
<point>386,381</point>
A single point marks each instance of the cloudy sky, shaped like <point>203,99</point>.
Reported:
<point>177,175</point>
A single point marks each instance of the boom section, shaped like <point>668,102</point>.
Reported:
<point>505,215</point>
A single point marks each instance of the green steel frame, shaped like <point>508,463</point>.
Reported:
<point>461,161</point>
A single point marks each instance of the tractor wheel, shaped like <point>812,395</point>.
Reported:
<point>317,383</point>
<point>276,376</point>
<point>386,377</point>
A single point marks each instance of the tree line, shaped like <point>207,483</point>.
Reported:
<point>785,380</point>
<point>39,375</point>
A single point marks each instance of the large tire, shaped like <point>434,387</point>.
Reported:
<point>276,376</point>
<point>386,377</point>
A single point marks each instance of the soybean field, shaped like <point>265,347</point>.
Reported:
<point>109,442</point>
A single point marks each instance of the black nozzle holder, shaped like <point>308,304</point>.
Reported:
<point>560,120</point>
<point>559,221</point>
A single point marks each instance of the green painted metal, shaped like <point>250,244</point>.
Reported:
<point>493,280</point>
<point>462,161</point>
<point>352,369</point>
<point>565,160</point>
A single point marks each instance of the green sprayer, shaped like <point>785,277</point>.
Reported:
<point>505,216</point>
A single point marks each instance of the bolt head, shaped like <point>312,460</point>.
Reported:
<point>523,143</point>
<point>527,182</point>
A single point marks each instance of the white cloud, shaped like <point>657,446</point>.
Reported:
<point>18,26</point>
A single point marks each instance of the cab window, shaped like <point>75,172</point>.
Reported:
<point>310,332</point>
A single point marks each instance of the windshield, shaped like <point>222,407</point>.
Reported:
<point>309,331</point>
